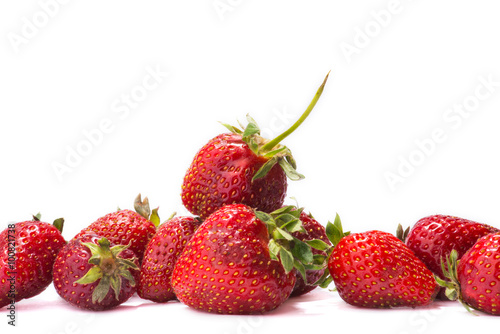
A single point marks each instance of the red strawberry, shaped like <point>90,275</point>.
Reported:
<point>125,226</point>
<point>232,266</point>
<point>27,253</point>
<point>241,167</point>
<point>161,255</point>
<point>475,281</point>
<point>94,274</point>
<point>313,231</point>
<point>433,238</point>
<point>375,269</point>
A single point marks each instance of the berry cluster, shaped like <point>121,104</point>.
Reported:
<point>243,251</point>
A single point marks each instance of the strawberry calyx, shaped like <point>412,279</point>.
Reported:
<point>275,152</point>
<point>451,283</point>
<point>402,233</point>
<point>142,207</point>
<point>58,223</point>
<point>108,268</point>
<point>334,233</point>
<point>284,247</point>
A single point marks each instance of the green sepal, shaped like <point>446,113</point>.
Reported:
<point>318,244</point>
<point>301,269</point>
<point>275,152</point>
<point>325,280</point>
<point>154,217</point>
<point>59,224</point>
<point>280,233</point>
<point>401,234</point>
<point>251,129</point>
<point>302,251</point>
<point>334,231</point>
<point>290,170</point>
<point>231,128</point>
<point>101,290</point>
<point>116,284</point>
<point>91,276</point>
<point>127,263</point>
<point>274,248</point>
<point>287,260</point>
<point>37,217</point>
<point>290,222</point>
<point>265,168</point>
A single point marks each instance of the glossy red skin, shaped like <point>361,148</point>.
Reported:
<point>36,247</point>
<point>479,275</point>
<point>123,227</point>
<point>314,230</point>
<point>433,238</point>
<point>374,269</point>
<point>221,173</point>
<point>161,255</point>
<point>226,267</point>
<point>72,264</point>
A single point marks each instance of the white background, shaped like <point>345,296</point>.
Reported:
<point>400,71</point>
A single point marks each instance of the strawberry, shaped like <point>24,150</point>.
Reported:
<point>27,253</point>
<point>475,280</point>
<point>94,274</point>
<point>434,237</point>
<point>241,261</point>
<point>126,226</point>
<point>241,167</point>
<point>375,269</point>
<point>313,231</point>
<point>161,255</point>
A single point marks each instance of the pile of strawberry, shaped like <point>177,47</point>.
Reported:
<point>243,251</point>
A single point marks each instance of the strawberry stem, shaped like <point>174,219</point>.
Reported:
<point>270,145</point>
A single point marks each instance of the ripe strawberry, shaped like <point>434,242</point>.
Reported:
<point>375,269</point>
<point>233,264</point>
<point>87,267</point>
<point>434,237</point>
<point>126,226</point>
<point>27,253</point>
<point>313,231</point>
<point>474,280</point>
<point>241,167</point>
<point>161,255</point>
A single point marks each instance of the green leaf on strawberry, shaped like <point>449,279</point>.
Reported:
<point>108,268</point>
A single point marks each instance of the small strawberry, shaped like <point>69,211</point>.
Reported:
<point>434,237</point>
<point>161,255</point>
<point>475,280</point>
<point>374,269</point>
<point>126,226</point>
<point>313,231</point>
<point>94,274</point>
<point>27,253</point>
<point>241,167</point>
<point>241,261</point>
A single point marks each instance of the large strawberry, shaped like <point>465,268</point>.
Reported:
<point>27,253</point>
<point>241,261</point>
<point>474,280</point>
<point>433,238</point>
<point>375,269</point>
<point>313,230</point>
<point>161,255</point>
<point>126,226</point>
<point>94,274</point>
<point>241,167</point>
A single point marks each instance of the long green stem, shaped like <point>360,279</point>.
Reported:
<point>270,145</point>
